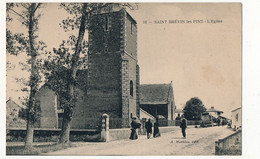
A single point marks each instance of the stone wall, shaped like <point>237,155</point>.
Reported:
<point>104,82</point>
<point>51,135</point>
<point>104,68</point>
<point>119,134</point>
<point>104,32</point>
<point>130,36</point>
<point>233,140</point>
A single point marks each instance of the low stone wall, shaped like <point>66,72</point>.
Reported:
<point>52,135</point>
<point>119,134</point>
<point>233,141</point>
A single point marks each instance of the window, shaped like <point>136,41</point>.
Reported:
<point>131,28</point>
<point>106,23</point>
<point>131,88</point>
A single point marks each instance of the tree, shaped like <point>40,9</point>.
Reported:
<point>16,43</point>
<point>193,109</point>
<point>70,56</point>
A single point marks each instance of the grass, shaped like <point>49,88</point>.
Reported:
<point>37,149</point>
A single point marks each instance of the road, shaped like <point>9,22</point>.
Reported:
<point>199,141</point>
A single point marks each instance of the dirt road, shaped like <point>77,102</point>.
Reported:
<point>199,141</point>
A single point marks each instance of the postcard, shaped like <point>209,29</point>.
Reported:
<point>124,79</point>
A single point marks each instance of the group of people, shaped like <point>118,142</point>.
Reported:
<point>156,131</point>
<point>135,124</point>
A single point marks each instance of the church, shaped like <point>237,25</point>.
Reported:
<point>110,84</point>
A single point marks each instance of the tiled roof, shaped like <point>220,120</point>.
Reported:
<point>12,102</point>
<point>154,93</point>
<point>212,109</point>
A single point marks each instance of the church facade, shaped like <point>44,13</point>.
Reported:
<point>111,83</point>
<point>112,76</point>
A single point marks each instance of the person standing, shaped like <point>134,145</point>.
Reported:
<point>183,127</point>
<point>134,125</point>
<point>148,126</point>
<point>156,131</point>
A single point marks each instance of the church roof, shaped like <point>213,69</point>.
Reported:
<point>154,93</point>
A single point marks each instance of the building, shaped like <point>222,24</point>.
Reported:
<point>236,116</point>
<point>113,77</point>
<point>110,84</point>
<point>214,112</point>
<point>178,113</point>
<point>12,115</point>
<point>158,99</point>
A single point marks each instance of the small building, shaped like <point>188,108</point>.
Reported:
<point>236,116</point>
<point>158,99</point>
<point>12,115</point>
<point>214,112</point>
<point>178,113</point>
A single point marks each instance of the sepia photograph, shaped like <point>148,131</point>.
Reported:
<point>123,79</point>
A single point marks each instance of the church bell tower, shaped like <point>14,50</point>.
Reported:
<point>113,71</point>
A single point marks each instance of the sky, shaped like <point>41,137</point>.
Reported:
<point>201,59</point>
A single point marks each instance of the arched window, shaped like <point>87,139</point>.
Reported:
<point>131,88</point>
<point>106,23</point>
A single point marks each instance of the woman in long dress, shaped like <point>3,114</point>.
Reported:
<point>134,125</point>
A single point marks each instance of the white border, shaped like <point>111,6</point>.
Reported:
<point>250,78</point>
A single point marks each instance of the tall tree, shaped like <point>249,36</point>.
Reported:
<point>193,109</point>
<point>27,14</point>
<point>68,57</point>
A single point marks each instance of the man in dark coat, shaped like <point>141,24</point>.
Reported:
<point>156,131</point>
<point>183,127</point>
<point>148,126</point>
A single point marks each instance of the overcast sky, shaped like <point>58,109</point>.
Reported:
<point>201,59</point>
